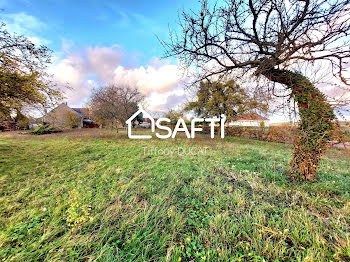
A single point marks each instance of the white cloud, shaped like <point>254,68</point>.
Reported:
<point>67,46</point>
<point>70,70</point>
<point>27,25</point>
<point>83,70</point>
<point>150,79</point>
<point>23,23</point>
<point>159,81</point>
<point>103,60</point>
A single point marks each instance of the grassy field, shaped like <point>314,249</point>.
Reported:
<point>95,195</point>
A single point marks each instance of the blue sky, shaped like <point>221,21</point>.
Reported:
<point>131,24</point>
<point>99,42</point>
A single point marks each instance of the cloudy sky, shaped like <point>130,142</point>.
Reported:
<point>97,42</point>
<point>104,41</point>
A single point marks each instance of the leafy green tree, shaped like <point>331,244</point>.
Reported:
<point>228,98</point>
<point>72,120</point>
<point>22,120</point>
<point>173,115</point>
<point>23,77</point>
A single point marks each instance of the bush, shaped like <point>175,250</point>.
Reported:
<point>207,129</point>
<point>259,133</point>
<point>45,128</point>
<point>346,131</point>
<point>22,121</point>
<point>283,134</point>
<point>72,120</point>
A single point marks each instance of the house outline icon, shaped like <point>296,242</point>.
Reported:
<point>144,114</point>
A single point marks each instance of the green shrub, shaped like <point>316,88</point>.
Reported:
<point>45,128</point>
<point>72,120</point>
<point>22,120</point>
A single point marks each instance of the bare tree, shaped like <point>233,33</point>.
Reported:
<point>114,104</point>
<point>267,38</point>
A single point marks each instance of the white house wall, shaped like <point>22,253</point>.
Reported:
<point>250,123</point>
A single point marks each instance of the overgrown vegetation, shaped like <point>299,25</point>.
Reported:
<point>228,98</point>
<point>88,195</point>
<point>315,127</point>
<point>45,128</point>
<point>270,40</point>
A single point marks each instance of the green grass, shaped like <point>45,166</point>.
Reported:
<point>93,195</point>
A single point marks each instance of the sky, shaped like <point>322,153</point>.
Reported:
<point>98,42</point>
<point>105,41</point>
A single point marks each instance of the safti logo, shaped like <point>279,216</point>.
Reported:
<point>179,127</point>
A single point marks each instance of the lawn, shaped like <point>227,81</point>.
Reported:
<point>96,195</point>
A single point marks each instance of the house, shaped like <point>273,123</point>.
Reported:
<point>251,119</point>
<point>64,116</point>
<point>84,112</point>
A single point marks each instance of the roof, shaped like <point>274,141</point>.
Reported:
<point>251,117</point>
<point>82,111</point>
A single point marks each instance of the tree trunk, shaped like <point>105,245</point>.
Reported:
<point>316,123</point>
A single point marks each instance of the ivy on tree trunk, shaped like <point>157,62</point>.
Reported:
<point>316,123</point>
<point>266,38</point>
